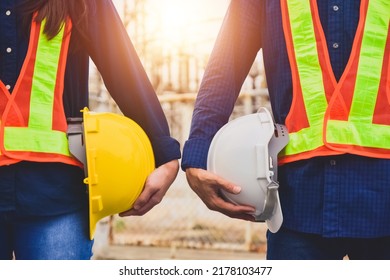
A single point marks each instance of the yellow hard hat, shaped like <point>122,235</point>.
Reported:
<point>119,158</point>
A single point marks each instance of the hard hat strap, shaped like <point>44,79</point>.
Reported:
<point>270,202</point>
<point>75,134</point>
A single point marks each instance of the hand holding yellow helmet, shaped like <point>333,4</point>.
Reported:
<point>119,158</point>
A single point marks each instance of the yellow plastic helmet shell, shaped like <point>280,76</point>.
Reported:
<point>119,159</point>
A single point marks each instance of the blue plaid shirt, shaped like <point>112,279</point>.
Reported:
<point>337,196</point>
<point>53,188</point>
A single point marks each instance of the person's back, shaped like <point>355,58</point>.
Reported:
<point>327,74</point>
<point>45,46</point>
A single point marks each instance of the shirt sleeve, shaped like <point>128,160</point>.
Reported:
<point>235,49</point>
<point>115,57</point>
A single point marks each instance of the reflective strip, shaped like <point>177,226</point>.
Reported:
<point>39,136</point>
<point>359,129</point>
<point>36,140</point>
<point>371,60</point>
<point>359,134</point>
<point>43,85</point>
<point>310,75</point>
<point>305,140</point>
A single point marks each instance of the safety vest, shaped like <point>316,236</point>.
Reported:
<point>349,116</point>
<point>33,123</point>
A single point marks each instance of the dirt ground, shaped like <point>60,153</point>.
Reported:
<point>121,252</point>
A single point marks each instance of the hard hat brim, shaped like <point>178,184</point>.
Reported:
<point>275,222</point>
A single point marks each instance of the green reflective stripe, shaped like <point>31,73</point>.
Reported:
<point>359,129</point>
<point>304,140</point>
<point>371,61</point>
<point>44,80</point>
<point>39,135</point>
<point>310,75</point>
<point>306,55</point>
<point>36,140</point>
<point>360,134</point>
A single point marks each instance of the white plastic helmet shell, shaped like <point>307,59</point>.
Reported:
<point>244,152</point>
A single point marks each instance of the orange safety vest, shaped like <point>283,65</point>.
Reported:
<point>349,116</point>
<point>33,123</point>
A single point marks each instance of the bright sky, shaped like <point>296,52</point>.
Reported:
<point>174,38</point>
<point>190,24</point>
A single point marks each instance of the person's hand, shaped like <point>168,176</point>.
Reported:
<point>208,185</point>
<point>156,185</point>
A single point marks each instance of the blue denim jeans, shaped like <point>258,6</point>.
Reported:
<point>61,237</point>
<point>291,245</point>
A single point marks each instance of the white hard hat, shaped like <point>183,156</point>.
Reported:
<point>244,151</point>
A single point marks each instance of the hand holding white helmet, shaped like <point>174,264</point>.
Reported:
<point>244,151</point>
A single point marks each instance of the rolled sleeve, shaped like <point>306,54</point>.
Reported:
<point>165,149</point>
<point>195,154</point>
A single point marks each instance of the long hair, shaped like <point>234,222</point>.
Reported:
<point>55,12</point>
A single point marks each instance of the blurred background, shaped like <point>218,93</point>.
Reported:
<point>174,39</point>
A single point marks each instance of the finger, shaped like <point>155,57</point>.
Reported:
<point>246,217</point>
<point>220,183</point>
<point>134,212</point>
<point>144,203</point>
<point>137,212</point>
<point>238,212</point>
<point>228,207</point>
<point>150,193</point>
